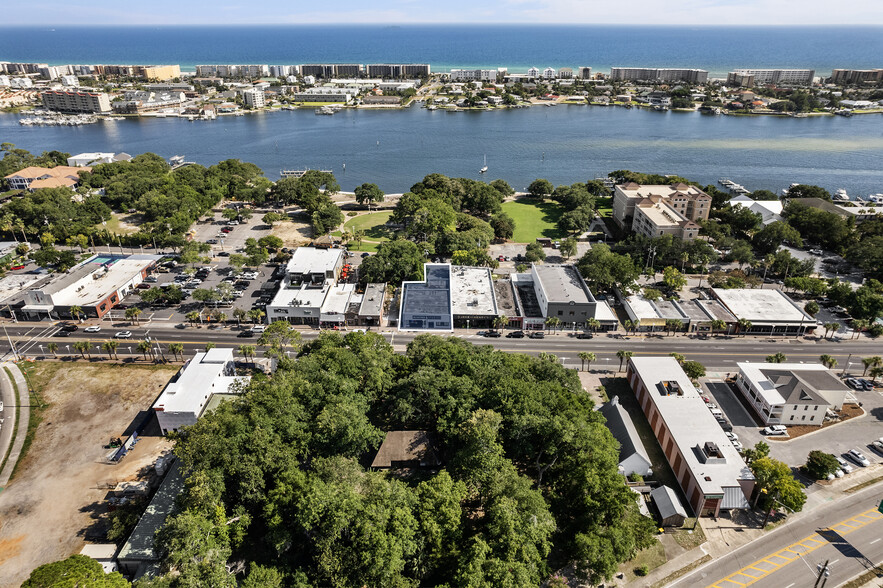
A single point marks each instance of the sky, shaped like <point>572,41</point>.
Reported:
<point>228,12</point>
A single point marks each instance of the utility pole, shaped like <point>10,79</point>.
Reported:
<point>822,571</point>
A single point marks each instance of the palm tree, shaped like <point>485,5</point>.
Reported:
<point>744,326</point>
<point>623,354</point>
<point>828,361</point>
<point>256,314</point>
<point>110,347</point>
<point>132,314</point>
<point>717,324</point>
<point>776,358</point>
<point>177,349</point>
<point>53,348</point>
<point>832,327</point>
<point>871,362</point>
<point>679,357</point>
<point>193,316</point>
<point>552,322</point>
<point>76,311</point>
<point>209,346</point>
<point>83,348</point>
<point>628,325</point>
<point>593,324</point>
<point>500,322</point>
<point>221,317</point>
<point>588,357</point>
<point>859,325</point>
<point>7,224</point>
<point>247,350</point>
<point>876,372</point>
<point>239,314</point>
<point>145,347</point>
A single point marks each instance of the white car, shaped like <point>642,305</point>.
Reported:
<point>857,456</point>
<point>838,473</point>
<point>844,465</point>
<point>258,329</point>
<point>732,436</point>
<point>738,445</point>
<point>878,445</point>
<point>774,431</point>
<point>123,335</point>
<point>92,329</point>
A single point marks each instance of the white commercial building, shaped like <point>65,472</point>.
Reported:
<point>186,396</point>
<point>769,311</point>
<point>311,274</point>
<point>686,203</point>
<point>76,101</point>
<point>87,159</point>
<point>711,473</point>
<point>770,211</point>
<point>472,75</point>
<point>21,83</point>
<point>790,393</point>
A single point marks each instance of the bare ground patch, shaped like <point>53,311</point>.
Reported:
<point>293,233</point>
<point>55,499</point>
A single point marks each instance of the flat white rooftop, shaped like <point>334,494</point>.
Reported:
<point>562,283</point>
<point>762,306</point>
<point>691,424</point>
<point>205,374</point>
<point>301,296</point>
<point>95,279</point>
<point>338,299</point>
<point>312,260</point>
<point>604,313</point>
<point>662,215</point>
<point>472,291</point>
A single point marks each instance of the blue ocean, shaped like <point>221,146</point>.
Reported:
<point>717,49</point>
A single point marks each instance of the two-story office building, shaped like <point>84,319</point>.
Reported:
<point>790,393</point>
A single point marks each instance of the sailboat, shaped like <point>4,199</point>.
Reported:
<point>484,169</point>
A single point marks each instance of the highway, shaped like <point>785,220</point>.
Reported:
<point>716,353</point>
<point>849,536</point>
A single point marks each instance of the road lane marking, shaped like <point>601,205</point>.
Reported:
<point>744,578</point>
<point>874,541</point>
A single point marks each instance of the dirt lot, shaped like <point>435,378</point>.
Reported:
<point>293,233</point>
<point>54,499</point>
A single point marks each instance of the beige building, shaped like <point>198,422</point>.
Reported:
<point>158,72</point>
<point>76,101</point>
<point>34,178</point>
<point>657,210</point>
<point>790,393</point>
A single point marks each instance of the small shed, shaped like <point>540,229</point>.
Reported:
<point>406,449</point>
<point>671,511</point>
<point>103,553</point>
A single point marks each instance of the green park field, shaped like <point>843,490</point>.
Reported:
<point>374,225</point>
<point>534,219</point>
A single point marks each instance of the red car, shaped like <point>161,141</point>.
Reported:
<point>17,267</point>
<point>227,230</point>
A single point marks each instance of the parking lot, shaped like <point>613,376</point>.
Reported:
<point>856,433</point>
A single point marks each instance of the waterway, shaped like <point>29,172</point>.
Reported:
<point>565,144</point>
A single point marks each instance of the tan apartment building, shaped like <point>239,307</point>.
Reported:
<point>664,209</point>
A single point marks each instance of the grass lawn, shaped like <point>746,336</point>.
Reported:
<point>534,219</point>
<point>605,206</point>
<point>652,557</point>
<point>119,225</point>
<point>374,225</point>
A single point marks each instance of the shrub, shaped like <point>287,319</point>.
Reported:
<point>642,570</point>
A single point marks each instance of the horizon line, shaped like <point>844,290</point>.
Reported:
<point>452,23</point>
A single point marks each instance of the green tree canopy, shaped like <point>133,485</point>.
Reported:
<point>77,570</point>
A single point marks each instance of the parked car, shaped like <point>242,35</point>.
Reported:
<point>151,279</point>
<point>858,457</point>
<point>584,335</point>
<point>232,223</point>
<point>258,329</point>
<point>515,335</point>
<point>212,241</point>
<point>866,385</point>
<point>844,465</point>
<point>123,335</point>
<point>878,445</point>
<point>772,431</point>
<point>223,254</point>
<point>724,423</point>
<point>537,335</point>
<point>732,436</point>
<point>92,329</point>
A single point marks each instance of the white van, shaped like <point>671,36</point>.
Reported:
<point>717,412</point>
<point>258,329</point>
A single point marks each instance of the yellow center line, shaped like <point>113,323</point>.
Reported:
<point>815,542</point>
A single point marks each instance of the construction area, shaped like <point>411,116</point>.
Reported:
<point>59,495</point>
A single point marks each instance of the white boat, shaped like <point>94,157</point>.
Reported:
<point>327,110</point>
<point>840,195</point>
<point>483,169</point>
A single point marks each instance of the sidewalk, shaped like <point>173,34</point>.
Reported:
<point>24,417</point>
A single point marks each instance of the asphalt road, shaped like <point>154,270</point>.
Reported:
<point>718,354</point>
<point>847,535</point>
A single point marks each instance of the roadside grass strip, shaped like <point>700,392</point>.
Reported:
<point>771,563</point>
